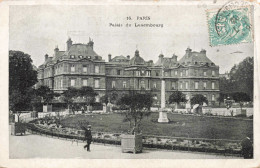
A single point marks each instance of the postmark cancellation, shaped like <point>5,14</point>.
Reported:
<point>230,25</point>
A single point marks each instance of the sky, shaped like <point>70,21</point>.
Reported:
<point>36,30</point>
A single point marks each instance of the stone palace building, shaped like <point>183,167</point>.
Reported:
<point>81,66</point>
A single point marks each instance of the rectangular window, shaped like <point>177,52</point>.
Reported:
<point>205,73</point>
<point>173,85</point>
<point>148,73</point>
<point>72,68</point>
<point>96,69</point>
<point>96,83</point>
<point>124,84</point>
<point>187,72</point>
<point>187,85</point>
<point>176,73</point>
<point>196,85</point>
<point>213,85</point>
<point>195,73</point>
<point>142,84</point>
<point>213,73</point>
<point>172,73</point>
<point>118,72</point>
<point>72,82</point>
<point>166,73</point>
<point>85,82</point>
<point>154,85</point>
<point>181,85</point>
<point>204,85</point>
<point>213,97</point>
<point>181,73</point>
<point>85,68</point>
<point>113,84</point>
<point>61,83</point>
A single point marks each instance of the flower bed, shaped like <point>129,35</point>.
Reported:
<point>169,143</point>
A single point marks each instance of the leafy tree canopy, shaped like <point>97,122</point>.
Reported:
<point>22,77</point>
<point>46,94</point>
<point>138,106</point>
<point>198,99</point>
<point>21,72</point>
<point>241,78</point>
<point>79,97</point>
<point>177,97</point>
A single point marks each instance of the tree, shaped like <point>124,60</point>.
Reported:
<point>221,98</point>
<point>241,98</point>
<point>79,98</point>
<point>177,97</point>
<point>242,76</point>
<point>46,94</point>
<point>87,95</point>
<point>68,96</point>
<point>22,77</point>
<point>109,98</point>
<point>138,106</point>
<point>198,99</point>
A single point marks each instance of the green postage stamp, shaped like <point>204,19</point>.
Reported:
<point>230,26</point>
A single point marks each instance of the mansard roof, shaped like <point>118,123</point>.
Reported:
<point>120,58</point>
<point>80,49</point>
<point>167,62</point>
<point>195,58</point>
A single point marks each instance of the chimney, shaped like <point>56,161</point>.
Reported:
<point>56,50</point>
<point>69,44</point>
<point>109,57</point>
<point>161,58</point>
<point>91,43</point>
<point>203,51</point>
<point>174,57</point>
<point>188,51</point>
<point>128,57</point>
<point>46,57</point>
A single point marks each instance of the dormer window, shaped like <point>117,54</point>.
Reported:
<point>80,56</point>
<point>72,56</point>
<point>212,64</point>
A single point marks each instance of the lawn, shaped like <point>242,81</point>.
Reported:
<point>179,125</point>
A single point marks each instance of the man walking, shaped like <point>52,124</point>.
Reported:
<point>88,137</point>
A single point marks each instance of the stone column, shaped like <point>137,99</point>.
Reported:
<point>163,113</point>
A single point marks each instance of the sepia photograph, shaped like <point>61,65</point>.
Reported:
<point>132,81</point>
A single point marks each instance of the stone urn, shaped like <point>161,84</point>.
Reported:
<point>131,143</point>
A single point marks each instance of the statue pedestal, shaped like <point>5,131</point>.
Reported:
<point>163,117</point>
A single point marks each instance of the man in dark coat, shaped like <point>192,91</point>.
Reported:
<point>88,137</point>
<point>247,148</point>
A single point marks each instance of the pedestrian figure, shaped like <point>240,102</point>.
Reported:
<point>88,137</point>
<point>247,148</point>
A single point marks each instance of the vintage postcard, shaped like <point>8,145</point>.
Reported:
<point>129,83</point>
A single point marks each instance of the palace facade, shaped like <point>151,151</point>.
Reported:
<point>81,66</point>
